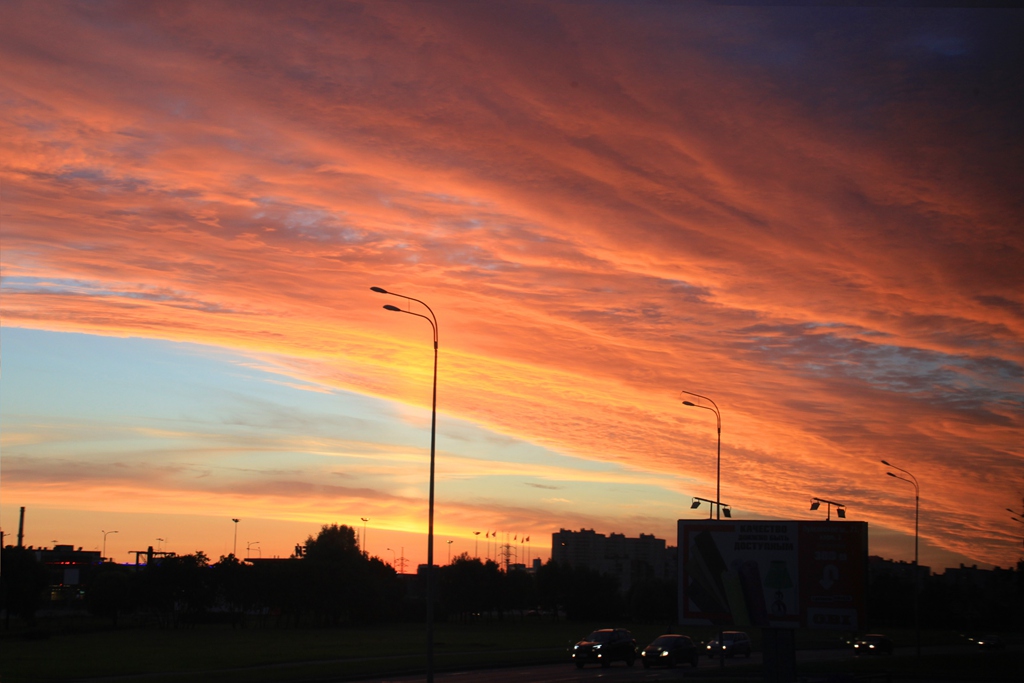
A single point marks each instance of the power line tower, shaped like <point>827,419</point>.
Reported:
<point>508,552</point>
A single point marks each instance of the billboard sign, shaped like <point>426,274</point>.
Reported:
<point>773,573</point>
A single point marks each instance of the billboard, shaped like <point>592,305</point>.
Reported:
<point>773,573</point>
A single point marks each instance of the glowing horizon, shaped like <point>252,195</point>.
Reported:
<point>603,207</point>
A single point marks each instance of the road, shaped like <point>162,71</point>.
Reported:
<point>566,672</point>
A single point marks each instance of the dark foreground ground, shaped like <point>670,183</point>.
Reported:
<point>520,651</point>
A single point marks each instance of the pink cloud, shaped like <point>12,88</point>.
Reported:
<point>603,209</point>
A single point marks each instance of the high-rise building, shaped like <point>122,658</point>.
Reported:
<point>628,559</point>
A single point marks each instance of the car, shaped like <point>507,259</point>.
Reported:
<point>605,646</point>
<point>991,643</point>
<point>669,650</point>
<point>873,644</point>
<point>734,644</point>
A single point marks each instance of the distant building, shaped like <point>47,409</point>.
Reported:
<point>68,569</point>
<point>878,566</point>
<point>628,559</point>
<point>980,579</point>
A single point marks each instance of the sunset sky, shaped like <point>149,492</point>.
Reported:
<point>812,216</point>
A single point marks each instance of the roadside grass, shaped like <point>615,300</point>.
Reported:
<point>286,654</point>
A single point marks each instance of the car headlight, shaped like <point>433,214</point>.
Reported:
<point>597,647</point>
<point>664,654</point>
<point>871,647</point>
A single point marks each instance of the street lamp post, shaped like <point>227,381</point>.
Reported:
<point>104,557</point>
<point>718,418</point>
<point>917,568</point>
<point>449,542</point>
<point>248,548</point>
<point>394,559</point>
<point>234,550</point>
<point>366,550</point>
<point>432,319</point>
<point>1017,519</point>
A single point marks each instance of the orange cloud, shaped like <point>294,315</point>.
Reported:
<point>602,207</point>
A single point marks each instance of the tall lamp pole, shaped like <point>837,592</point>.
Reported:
<point>917,568</point>
<point>366,550</point>
<point>105,542</point>
<point>234,550</point>
<point>430,508</point>
<point>718,418</point>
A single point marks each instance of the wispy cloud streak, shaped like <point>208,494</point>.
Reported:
<point>811,216</point>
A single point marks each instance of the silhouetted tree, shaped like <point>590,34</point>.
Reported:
<point>468,586</point>
<point>23,583</point>
<point>519,591</point>
<point>653,599</point>
<point>109,592</point>
<point>177,589</point>
<point>584,593</point>
<point>337,575</point>
<point>234,587</point>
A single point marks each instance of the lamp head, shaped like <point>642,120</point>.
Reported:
<point>727,512</point>
<point>841,513</point>
<point>695,504</point>
<point>886,463</point>
<point>891,474</point>
<point>389,307</point>
<point>689,403</point>
<point>379,290</point>
<point>815,504</point>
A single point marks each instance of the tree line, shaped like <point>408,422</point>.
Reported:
<point>331,582</point>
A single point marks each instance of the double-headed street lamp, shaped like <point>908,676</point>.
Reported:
<point>840,508</point>
<point>718,418</point>
<point>697,500</point>
<point>432,319</point>
<point>917,569</point>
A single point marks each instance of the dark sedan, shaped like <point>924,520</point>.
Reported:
<point>605,646</point>
<point>734,644</point>
<point>873,644</point>
<point>669,650</point>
